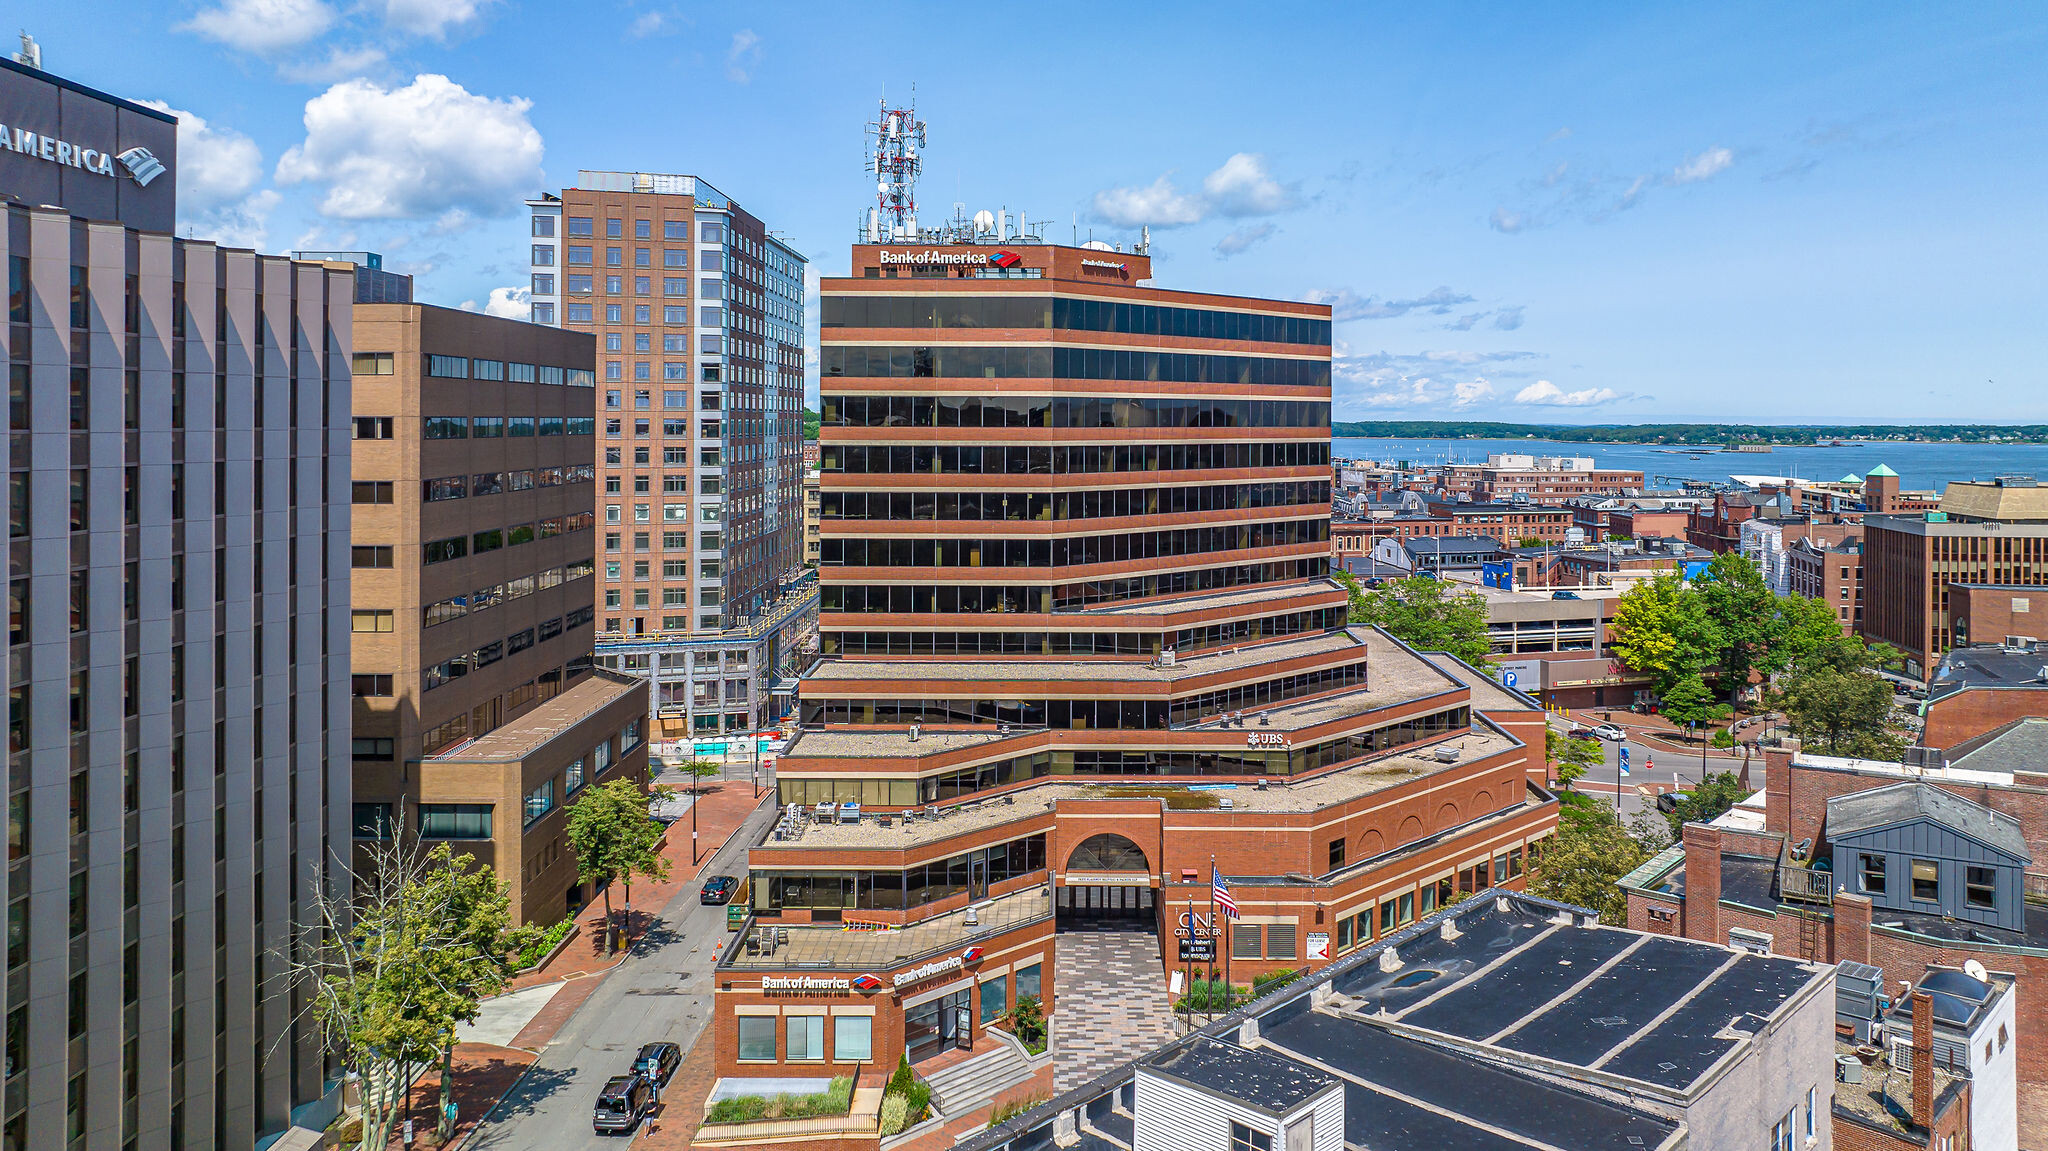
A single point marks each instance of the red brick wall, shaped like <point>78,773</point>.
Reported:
<point>1971,712</point>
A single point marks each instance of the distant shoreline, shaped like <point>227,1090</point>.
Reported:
<point>1695,436</point>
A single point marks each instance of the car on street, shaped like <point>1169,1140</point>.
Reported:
<point>1610,731</point>
<point>718,889</point>
<point>621,1104</point>
<point>1581,732</point>
<point>658,1061</point>
<point>1564,595</point>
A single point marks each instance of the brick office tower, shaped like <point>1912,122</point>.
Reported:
<point>698,314</point>
<point>178,648</point>
<point>1074,562</point>
<point>477,718</point>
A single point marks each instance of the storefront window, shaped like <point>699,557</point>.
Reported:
<point>805,1037</point>
<point>1028,982</point>
<point>757,1038</point>
<point>853,1038</point>
<point>995,997</point>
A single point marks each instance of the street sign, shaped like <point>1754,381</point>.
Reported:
<point>1624,761</point>
<point>1507,679</point>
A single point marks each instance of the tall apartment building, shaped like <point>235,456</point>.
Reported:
<point>178,773</point>
<point>1074,562</point>
<point>1984,533</point>
<point>476,716</point>
<point>698,314</point>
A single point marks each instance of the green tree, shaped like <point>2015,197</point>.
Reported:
<point>812,421</point>
<point>701,769</point>
<point>1748,621</point>
<point>1429,615</point>
<point>1354,593</point>
<point>1582,863</point>
<point>1838,712</point>
<point>1659,629</point>
<point>1571,758</point>
<point>1704,803</point>
<point>1813,637</point>
<point>1689,702</point>
<point>396,959</point>
<point>614,839</point>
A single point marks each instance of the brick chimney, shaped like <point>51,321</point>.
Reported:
<point>1852,928</point>
<point>1923,1059</point>
<point>1702,882</point>
<point>1778,787</point>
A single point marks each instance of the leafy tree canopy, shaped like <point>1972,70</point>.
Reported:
<point>1428,615</point>
<point>1582,863</point>
<point>1837,712</point>
<point>1659,629</point>
<point>1704,803</point>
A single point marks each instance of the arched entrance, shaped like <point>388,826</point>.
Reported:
<point>1107,882</point>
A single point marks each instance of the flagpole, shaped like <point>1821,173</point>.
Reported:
<point>1216,925</point>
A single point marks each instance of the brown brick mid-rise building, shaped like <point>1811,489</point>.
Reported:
<point>697,310</point>
<point>1983,533</point>
<point>1508,522</point>
<point>1829,572</point>
<point>476,715</point>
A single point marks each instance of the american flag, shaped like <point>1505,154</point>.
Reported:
<point>1219,893</point>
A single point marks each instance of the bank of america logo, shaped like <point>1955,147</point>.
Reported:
<point>1006,259</point>
<point>867,983</point>
<point>142,165</point>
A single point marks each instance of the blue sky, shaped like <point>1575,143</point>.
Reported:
<point>1565,214</point>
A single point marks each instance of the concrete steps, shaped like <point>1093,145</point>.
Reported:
<point>961,1087</point>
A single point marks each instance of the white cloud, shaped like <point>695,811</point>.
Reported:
<point>648,24</point>
<point>1159,204</point>
<point>215,165</point>
<point>1244,237</point>
<point>262,26</point>
<point>1510,222</point>
<point>218,170</point>
<point>1543,393</point>
<point>1237,188</point>
<point>510,303</point>
<point>432,18</point>
<point>1242,187</point>
<point>1508,319</point>
<point>1348,305</point>
<point>339,64</point>
<point>742,56</point>
<point>1470,392</point>
<point>1704,166</point>
<point>428,149</point>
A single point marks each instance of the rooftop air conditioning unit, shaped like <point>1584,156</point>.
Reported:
<point>1448,753</point>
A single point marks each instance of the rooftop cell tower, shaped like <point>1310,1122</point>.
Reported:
<point>895,138</point>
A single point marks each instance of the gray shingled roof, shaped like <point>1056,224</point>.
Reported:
<point>2021,745</point>
<point>1904,802</point>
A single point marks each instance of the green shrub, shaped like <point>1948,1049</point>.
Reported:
<point>1273,980</point>
<point>1027,1023</point>
<point>531,944</point>
<point>1208,996</point>
<point>1008,1111</point>
<point>902,1078</point>
<point>895,1114</point>
<point>835,1099</point>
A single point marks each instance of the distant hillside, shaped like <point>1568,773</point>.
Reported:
<point>1686,433</point>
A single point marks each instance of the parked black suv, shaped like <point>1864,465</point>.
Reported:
<point>621,1105</point>
<point>658,1061</point>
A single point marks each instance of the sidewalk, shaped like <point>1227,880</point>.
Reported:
<point>485,1072</point>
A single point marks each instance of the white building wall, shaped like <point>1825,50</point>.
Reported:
<point>1170,1116</point>
<point>1994,1087</point>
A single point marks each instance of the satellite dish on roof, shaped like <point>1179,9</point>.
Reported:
<point>984,221</point>
<point>1975,970</point>
<point>1098,246</point>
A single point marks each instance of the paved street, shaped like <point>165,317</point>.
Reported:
<point>661,992</point>
<point>1656,765</point>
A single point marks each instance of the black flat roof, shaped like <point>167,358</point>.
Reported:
<point>1399,1083</point>
<point>81,89</point>
<point>1253,1078</point>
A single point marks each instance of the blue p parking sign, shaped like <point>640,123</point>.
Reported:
<point>1507,679</point>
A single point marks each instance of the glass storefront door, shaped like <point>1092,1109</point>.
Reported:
<point>938,1025</point>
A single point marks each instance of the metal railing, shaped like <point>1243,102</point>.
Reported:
<point>1805,885</point>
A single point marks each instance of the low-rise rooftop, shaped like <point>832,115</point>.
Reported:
<point>519,738</point>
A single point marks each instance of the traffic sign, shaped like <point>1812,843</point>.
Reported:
<point>1507,679</point>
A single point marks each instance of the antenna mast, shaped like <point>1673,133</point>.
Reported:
<point>895,137</point>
